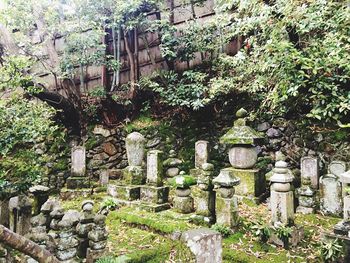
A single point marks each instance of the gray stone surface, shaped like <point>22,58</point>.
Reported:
<point>155,172</point>
<point>201,153</point>
<point>337,168</point>
<point>78,166</point>
<point>310,170</point>
<point>331,201</point>
<point>205,244</point>
<point>242,157</point>
<point>135,148</point>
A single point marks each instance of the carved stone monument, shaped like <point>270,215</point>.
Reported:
<point>243,157</point>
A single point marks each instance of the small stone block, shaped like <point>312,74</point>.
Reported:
<point>134,175</point>
<point>153,194</point>
<point>252,182</point>
<point>69,194</point>
<point>305,210</point>
<point>183,204</point>
<point>78,182</point>
<point>93,255</point>
<point>154,207</point>
<point>129,193</point>
<point>227,211</point>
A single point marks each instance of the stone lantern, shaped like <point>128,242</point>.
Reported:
<point>282,205</point>
<point>243,156</point>
<point>226,205</point>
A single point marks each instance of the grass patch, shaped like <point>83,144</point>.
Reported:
<point>165,222</point>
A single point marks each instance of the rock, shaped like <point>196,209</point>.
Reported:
<point>115,174</point>
<point>153,143</point>
<point>172,172</point>
<point>273,133</point>
<point>109,148</point>
<point>99,130</point>
<point>263,126</point>
<point>71,216</point>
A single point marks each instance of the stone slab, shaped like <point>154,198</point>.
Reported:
<point>154,207</point>
<point>205,244</point>
<point>204,201</point>
<point>201,153</point>
<point>67,194</point>
<point>183,204</point>
<point>75,182</point>
<point>78,167</point>
<point>154,194</point>
<point>310,170</point>
<point>124,192</point>
<point>282,207</point>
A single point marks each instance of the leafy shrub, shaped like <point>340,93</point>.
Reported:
<point>222,229</point>
<point>331,250</point>
<point>261,230</point>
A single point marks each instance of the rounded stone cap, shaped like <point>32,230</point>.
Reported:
<point>226,178</point>
<point>345,177</point>
<point>281,173</point>
<point>241,113</point>
<point>136,137</point>
<point>87,205</point>
<point>208,166</point>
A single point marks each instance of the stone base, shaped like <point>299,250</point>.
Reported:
<point>93,255</point>
<point>227,211</point>
<point>204,201</point>
<point>78,182</point>
<point>134,175</point>
<point>305,210</point>
<point>196,172</point>
<point>253,183</point>
<point>342,228</point>
<point>67,194</point>
<point>183,204</point>
<point>154,194</point>
<point>154,207</point>
<point>200,220</point>
<point>296,236</point>
<point>282,206</point>
<point>127,192</point>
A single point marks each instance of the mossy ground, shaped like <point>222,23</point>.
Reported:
<point>145,236</point>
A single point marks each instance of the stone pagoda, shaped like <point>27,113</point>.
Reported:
<point>282,205</point>
<point>243,157</point>
<point>226,205</point>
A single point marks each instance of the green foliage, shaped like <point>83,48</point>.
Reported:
<point>225,231</point>
<point>183,181</point>
<point>293,58</point>
<point>262,231</point>
<point>107,260</point>
<point>27,126</point>
<point>331,250</point>
<point>185,90</point>
<point>283,232</point>
<point>109,204</point>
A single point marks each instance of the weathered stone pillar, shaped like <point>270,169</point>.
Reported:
<point>309,185</point>
<point>66,243</point>
<point>97,239</point>
<point>78,183</point>
<point>243,157</point>
<point>205,244</point>
<point>226,207</point>
<point>201,157</point>
<point>204,196</point>
<point>331,201</point>
<point>128,189</point>
<point>154,196</point>
<point>104,177</point>
<point>282,204</point>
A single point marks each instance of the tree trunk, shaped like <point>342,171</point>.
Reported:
<point>132,67</point>
<point>26,246</point>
